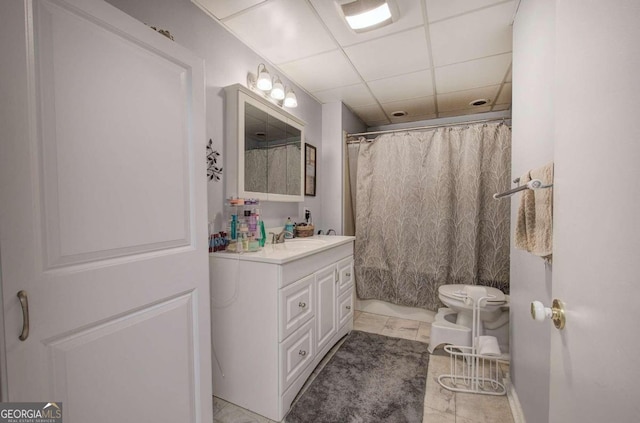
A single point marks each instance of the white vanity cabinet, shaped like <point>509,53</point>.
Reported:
<point>275,315</point>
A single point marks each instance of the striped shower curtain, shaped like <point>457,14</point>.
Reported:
<point>425,215</point>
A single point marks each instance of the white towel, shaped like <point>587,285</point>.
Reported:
<point>488,345</point>
<point>534,226</point>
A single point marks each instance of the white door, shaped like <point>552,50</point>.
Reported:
<point>595,372</point>
<point>103,216</point>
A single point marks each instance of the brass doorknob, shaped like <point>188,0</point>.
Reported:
<point>556,313</point>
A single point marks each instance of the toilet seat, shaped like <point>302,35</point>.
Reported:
<point>457,292</point>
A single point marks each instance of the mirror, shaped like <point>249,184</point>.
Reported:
<point>272,153</point>
<point>270,150</point>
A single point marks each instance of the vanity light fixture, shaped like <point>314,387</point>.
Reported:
<point>271,88</point>
<point>366,15</point>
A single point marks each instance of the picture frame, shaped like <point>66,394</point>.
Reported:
<point>310,170</point>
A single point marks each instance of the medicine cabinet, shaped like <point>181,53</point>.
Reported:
<point>266,147</point>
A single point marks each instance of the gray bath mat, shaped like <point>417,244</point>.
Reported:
<point>371,379</point>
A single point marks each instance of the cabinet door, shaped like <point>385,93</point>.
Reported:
<point>345,272</point>
<point>345,308</point>
<point>326,281</point>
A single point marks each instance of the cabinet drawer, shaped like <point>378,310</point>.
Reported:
<point>345,307</point>
<point>297,306</point>
<point>345,274</point>
<point>296,352</point>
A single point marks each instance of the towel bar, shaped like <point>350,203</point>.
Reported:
<point>532,184</point>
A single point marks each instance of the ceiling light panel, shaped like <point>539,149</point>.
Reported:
<point>409,16</point>
<point>322,72</point>
<point>223,8</point>
<point>479,34</point>
<point>411,85</point>
<point>395,54</point>
<point>473,74</point>
<point>443,9</point>
<point>360,18</point>
<point>282,30</point>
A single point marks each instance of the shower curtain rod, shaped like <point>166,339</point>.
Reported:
<point>390,131</point>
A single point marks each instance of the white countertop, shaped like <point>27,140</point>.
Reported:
<point>290,250</point>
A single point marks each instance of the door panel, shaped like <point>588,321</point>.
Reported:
<point>594,370</point>
<point>92,85</point>
<point>104,215</point>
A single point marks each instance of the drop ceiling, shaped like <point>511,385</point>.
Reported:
<point>436,58</point>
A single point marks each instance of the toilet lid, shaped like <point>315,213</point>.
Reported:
<point>457,292</point>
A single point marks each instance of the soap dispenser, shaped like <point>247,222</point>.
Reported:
<point>288,227</point>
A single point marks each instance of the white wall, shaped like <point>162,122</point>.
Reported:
<point>227,61</point>
<point>336,118</point>
<point>532,146</point>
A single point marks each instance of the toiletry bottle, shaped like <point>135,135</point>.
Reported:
<point>288,227</point>
<point>263,234</point>
<point>234,223</point>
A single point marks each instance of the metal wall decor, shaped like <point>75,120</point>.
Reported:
<point>213,170</point>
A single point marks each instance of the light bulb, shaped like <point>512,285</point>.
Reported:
<point>277,91</point>
<point>264,80</point>
<point>290,100</point>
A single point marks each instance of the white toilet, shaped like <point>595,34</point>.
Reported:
<point>453,324</point>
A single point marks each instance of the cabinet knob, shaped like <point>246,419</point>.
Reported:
<point>302,305</point>
<point>348,274</point>
<point>348,307</point>
<point>302,353</point>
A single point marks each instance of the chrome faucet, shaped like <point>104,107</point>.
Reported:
<point>279,238</point>
<point>331,230</point>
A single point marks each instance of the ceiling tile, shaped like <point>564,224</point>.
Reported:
<point>499,107</point>
<point>442,9</point>
<point>410,16</point>
<point>458,100</point>
<point>473,111</point>
<point>413,107</point>
<point>472,74</point>
<point>282,30</point>
<point>224,8</point>
<point>410,85</point>
<point>505,94</point>
<point>322,72</point>
<point>410,118</point>
<point>391,55</point>
<point>370,113</point>
<point>483,33</point>
<point>351,95</point>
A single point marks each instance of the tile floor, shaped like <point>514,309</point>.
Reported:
<point>440,405</point>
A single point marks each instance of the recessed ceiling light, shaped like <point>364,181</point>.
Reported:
<point>479,102</point>
<point>399,113</point>
<point>365,15</point>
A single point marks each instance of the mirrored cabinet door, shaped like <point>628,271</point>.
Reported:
<point>269,143</point>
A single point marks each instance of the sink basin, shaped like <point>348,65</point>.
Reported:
<point>299,244</point>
